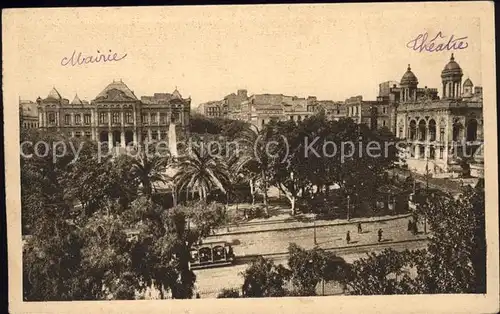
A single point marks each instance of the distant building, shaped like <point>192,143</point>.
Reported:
<point>115,116</point>
<point>213,109</point>
<point>28,114</point>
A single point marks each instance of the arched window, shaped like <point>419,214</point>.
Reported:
<point>432,130</point>
<point>413,129</point>
<point>422,130</point>
<point>472,130</point>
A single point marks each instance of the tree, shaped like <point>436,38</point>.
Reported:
<point>149,168</point>
<point>252,162</point>
<point>265,279</point>
<point>456,255</point>
<point>309,267</point>
<point>454,261</point>
<point>380,273</point>
<point>201,171</point>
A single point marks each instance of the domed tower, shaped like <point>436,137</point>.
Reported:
<point>467,92</point>
<point>408,85</point>
<point>452,79</point>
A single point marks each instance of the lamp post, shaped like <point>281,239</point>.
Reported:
<point>314,231</point>
<point>348,207</point>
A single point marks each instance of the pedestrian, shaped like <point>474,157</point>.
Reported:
<point>348,237</point>
<point>197,295</point>
<point>360,229</point>
<point>410,225</point>
<point>380,235</point>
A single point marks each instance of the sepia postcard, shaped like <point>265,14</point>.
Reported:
<point>317,158</point>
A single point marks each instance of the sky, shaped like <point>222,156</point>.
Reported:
<point>332,52</point>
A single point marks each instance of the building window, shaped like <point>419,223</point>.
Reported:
<point>128,117</point>
<point>441,135</point>
<point>67,119</point>
<point>78,134</point>
<point>401,132</point>
<point>338,111</point>
<point>103,118</point>
<point>175,117</point>
<point>456,131</point>
<point>145,119</point>
<point>86,119</point>
<point>52,118</point>
<point>87,134</point>
<point>441,153</point>
<point>78,119</point>
<point>432,152</point>
<point>413,129</point>
<point>422,152</point>
<point>154,135</point>
<point>115,117</point>
<point>153,118</point>
<point>145,136</point>
<point>383,122</point>
<point>422,130</point>
<point>163,118</point>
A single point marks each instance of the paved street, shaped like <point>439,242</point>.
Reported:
<point>210,281</point>
<point>272,242</point>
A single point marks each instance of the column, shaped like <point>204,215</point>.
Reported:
<point>110,139</point>
<point>57,120</point>
<point>136,140</point>
<point>93,123</point>
<point>110,133</point>
<point>444,90</point>
<point>417,151</point>
<point>122,138</point>
<point>149,133</point>
<point>122,135</point>
<point>159,134</point>
<point>158,117</point>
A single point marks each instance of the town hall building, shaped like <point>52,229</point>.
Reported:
<point>115,116</point>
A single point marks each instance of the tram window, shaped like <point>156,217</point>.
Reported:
<point>218,253</point>
<point>205,254</point>
<point>194,256</point>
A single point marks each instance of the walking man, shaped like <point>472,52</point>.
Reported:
<point>380,235</point>
<point>360,230</point>
<point>348,237</point>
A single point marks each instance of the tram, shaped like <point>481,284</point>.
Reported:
<point>211,254</point>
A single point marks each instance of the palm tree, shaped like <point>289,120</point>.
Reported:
<point>199,171</point>
<point>148,170</point>
<point>253,162</point>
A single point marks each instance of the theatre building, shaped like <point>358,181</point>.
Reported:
<point>116,115</point>
<point>445,133</point>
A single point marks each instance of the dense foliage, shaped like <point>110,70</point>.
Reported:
<point>92,235</point>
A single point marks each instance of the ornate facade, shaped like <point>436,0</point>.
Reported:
<point>116,115</point>
<point>440,132</point>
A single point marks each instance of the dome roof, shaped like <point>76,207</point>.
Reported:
<point>468,82</point>
<point>409,78</point>
<point>54,94</point>
<point>452,67</point>
<point>120,86</point>
<point>76,100</point>
<point>176,94</point>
